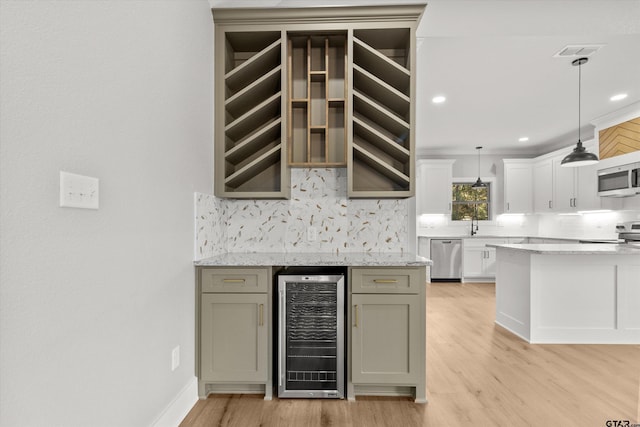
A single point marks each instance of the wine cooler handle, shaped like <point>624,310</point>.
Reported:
<point>283,303</point>
<point>356,314</point>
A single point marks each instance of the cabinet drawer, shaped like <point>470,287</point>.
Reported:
<point>387,280</point>
<point>234,280</point>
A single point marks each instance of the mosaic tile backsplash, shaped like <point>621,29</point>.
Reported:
<point>319,200</point>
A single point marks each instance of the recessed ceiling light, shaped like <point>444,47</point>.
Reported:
<point>618,97</point>
<point>438,99</point>
<point>524,139</point>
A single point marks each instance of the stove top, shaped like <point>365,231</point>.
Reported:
<point>629,231</point>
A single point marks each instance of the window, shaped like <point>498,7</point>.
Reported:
<point>470,202</point>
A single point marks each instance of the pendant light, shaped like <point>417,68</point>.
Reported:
<point>479,184</point>
<point>579,156</point>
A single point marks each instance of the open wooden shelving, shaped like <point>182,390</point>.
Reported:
<point>249,152</point>
<point>382,158</point>
<point>329,87</point>
<point>317,89</point>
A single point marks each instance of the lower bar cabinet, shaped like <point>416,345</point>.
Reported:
<point>233,319</point>
<point>387,332</point>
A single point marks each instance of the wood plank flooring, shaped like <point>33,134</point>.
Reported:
<point>477,374</point>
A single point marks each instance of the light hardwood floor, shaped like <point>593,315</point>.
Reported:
<point>477,374</point>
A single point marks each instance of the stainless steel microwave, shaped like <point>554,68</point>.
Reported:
<point>619,181</point>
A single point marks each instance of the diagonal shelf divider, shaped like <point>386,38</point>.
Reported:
<point>382,166</point>
<point>250,170</point>
<point>253,66</point>
<point>369,58</point>
<point>393,148</point>
<point>254,111</point>
<point>248,93</point>
<point>381,109</point>
<point>245,147</point>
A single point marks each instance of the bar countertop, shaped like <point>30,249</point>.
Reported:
<point>573,248</point>
<point>389,259</point>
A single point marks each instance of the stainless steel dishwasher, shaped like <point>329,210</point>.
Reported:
<point>446,255</point>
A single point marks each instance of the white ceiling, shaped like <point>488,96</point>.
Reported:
<point>493,60</point>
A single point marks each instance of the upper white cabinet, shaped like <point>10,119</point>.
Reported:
<point>543,186</point>
<point>434,186</point>
<point>561,189</point>
<point>518,186</point>
<point>564,186</point>
<point>315,87</point>
<point>587,183</point>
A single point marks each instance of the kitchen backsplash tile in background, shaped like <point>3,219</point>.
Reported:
<point>318,200</point>
<point>595,225</point>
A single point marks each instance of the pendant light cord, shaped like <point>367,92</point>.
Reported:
<point>579,100</point>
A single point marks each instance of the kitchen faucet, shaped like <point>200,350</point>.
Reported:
<point>474,231</point>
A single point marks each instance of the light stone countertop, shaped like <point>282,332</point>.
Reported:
<point>355,259</point>
<point>573,248</point>
<point>495,236</point>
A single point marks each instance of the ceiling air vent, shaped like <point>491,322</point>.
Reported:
<point>574,50</point>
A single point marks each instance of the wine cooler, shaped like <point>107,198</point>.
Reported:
<point>311,336</point>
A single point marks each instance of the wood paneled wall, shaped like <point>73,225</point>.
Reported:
<point>620,139</point>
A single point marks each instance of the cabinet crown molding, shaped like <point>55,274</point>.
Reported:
<point>276,16</point>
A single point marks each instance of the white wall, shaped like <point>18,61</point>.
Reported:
<point>92,302</point>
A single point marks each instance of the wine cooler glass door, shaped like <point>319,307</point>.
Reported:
<point>311,336</point>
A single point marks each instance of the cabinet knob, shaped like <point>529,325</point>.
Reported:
<point>385,281</point>
<point>233,280</point>
<point>261,315</point>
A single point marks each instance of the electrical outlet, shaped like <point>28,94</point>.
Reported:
<point>312,234</point>
<point>175,358</point>
<point>78,191</point>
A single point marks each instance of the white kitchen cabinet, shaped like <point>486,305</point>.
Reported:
<point>543,186</point>
<point>587,183</point>
<point>434,186</point>
<point>518,186</point>
<point>562,189</point>
<point>479,261</point>
<point>564,185</point>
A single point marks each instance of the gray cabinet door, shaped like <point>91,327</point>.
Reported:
<point>234,334</point>
<point>385,339</point>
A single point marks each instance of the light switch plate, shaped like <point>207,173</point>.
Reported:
<point>78,191</point>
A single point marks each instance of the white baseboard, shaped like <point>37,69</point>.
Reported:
<point>180,406</point>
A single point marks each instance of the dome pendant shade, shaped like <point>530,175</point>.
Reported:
<point>479,184</point>
<point>579,156</point>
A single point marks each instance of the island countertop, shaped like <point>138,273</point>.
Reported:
<point>572,248</point>
<point>389,259</point>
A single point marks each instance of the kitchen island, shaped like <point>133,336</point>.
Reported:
<point>569,293</point>
<point>385,320</point>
